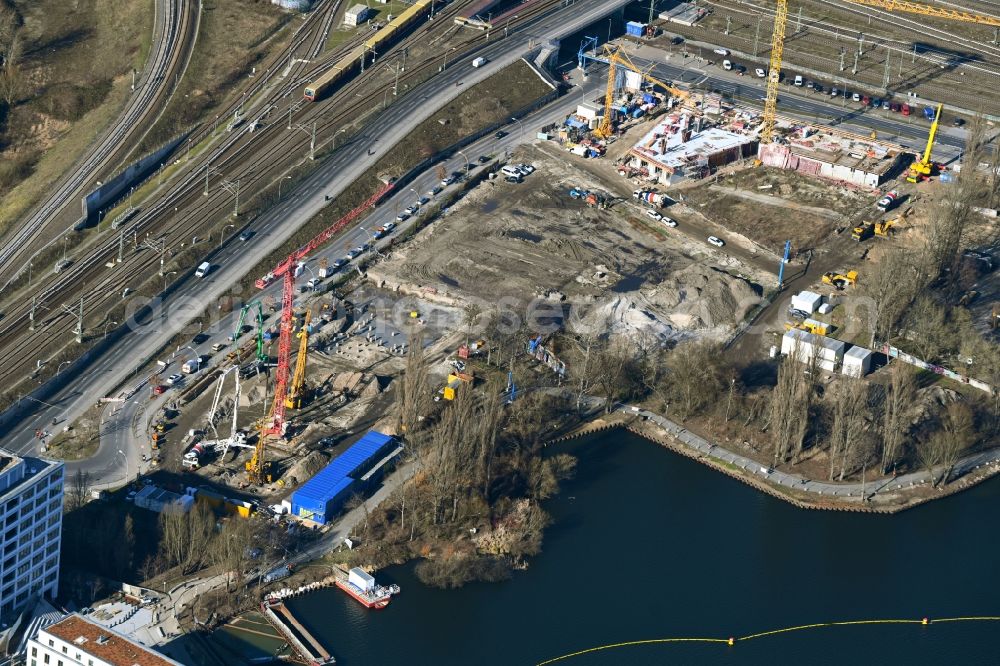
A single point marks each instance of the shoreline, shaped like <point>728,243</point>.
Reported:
<point>637,422</point>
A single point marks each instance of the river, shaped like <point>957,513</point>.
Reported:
<point>647,544</point>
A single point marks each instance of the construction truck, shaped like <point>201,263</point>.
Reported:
<point>840,280</point>
<point>813,326</point>
<point>887,201</point>
<point>923,168</point>
<point>863,232</point>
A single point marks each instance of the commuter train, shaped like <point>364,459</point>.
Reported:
<point>345,66</point>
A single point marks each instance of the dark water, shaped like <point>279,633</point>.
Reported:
<point>647,544</point>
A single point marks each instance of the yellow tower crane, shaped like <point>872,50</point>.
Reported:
<point>778,42</point>
<point>297,388</point>
<point>618,58</point>
<point>926,10</point>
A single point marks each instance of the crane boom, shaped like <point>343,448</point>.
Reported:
<point>294,399</point>
<point>774,71</point>
<point>618,58</point>
<point>275,424</point>
<point>924,167</point>
<point>927,10</point>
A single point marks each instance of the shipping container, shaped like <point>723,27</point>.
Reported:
<point>635,29</point>
<point>361,579</point>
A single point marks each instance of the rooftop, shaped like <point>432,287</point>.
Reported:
<point>846,151</point>
<point>665,143</point>
<point>105,644</point>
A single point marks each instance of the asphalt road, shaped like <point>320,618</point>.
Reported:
<point>120,366</point>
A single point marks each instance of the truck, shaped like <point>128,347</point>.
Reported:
<point>191,365</point>
<point>278,573</point>
<point>479,62</point>
<point>887,201</point>
<point>651,197</point>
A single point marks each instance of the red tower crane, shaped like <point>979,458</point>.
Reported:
<point>276,424</point>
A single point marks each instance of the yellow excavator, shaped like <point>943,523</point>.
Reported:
<point>885,228</point>
<point>841,280</point>
<point>922,168</point>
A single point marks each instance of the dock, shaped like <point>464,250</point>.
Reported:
<point>310,650</point>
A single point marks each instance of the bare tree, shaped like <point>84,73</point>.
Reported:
<point>897,413</point>
<point>11,76</point>
<point>944,446</point>
<point>847,433</point>
<point>791,401</point>
<point>694,376</point>
<point>413,400</point>
<point>890,286</point>
<point>79,490</point>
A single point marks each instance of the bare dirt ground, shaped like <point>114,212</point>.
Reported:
<point>771,206</point>
<point>611,267</point>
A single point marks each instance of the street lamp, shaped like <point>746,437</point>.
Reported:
<point>106,324</point>
<point>165,278</point>
<point>609,30</point>
<point>520,126</point>
<point>125,458</point>
<point>467,168</point>
<point>222,236</point>
<point>344,129</point>
<point>289,177</point>
<point>61,365</point>
<point>445,65</point>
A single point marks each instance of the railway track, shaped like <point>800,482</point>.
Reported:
<point>174,30</point>
<point>196,212</point>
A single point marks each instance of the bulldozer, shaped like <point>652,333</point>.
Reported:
<point>813,326</point>
<point>841,280</point>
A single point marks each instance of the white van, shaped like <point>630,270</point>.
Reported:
<point>479,62</point>
<point>203,269</point>
<point>513,171</point>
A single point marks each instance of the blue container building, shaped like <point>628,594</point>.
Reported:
<point>635,29</point>
<point>322,496</point>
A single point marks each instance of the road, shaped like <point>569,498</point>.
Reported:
<point>121,364</point>
<point>176,22</point>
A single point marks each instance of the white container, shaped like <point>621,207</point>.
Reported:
<point>361,579</point>
<point>807,301</point>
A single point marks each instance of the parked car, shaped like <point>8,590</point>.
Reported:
<point>760,72</point>
<point>895,107</point>
<point>721,52</point>
<point>389,226</point>
<point>886,104</point>
<point>717,242</point>
<point>423,201</point>
<point>218,346</point>
<point>905,109</point>
<point>799,80</point>
<point>866,100</point>
<point>877,103</point>
<point>340,263</point>
<point>313,283</point>
<point>159,389</point>
<point>434,191</point>
<point>670,222</point>
<point>958,122</point>
<point>403,217</point>
<point>817,88</point>
<point>727,65</point>
<point>174,379</point>
<point>513,179</point>
<point>856,97</point>
<point>355,252</point>
<point>834,92</point>
<point>410,210</point>
<point>653,214</point>
<point>483,159</point>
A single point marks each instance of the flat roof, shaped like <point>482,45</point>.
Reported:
<point>845,151</point>
<point>105,644</point>
<point>858,352</point>
<point>832,344</point>
<point>663,145</point>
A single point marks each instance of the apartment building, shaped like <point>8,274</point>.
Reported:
<point>31,504</point>
<point>76,641</point>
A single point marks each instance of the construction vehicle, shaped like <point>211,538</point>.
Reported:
<point>884,228</point>
<point>236,438</point>
<point>887,201</point>
<point>863,231</point>
<point>275,424</point>
<point>923,168</point>
<point>296,392</point>
<point>841,280</point>
<point>261,355</point>
<point>455,379</point>
<point>967,298</point>
<point>813,326</point>
<point>618,58</point>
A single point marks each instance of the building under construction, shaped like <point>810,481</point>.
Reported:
<point>837,156</point>
<point>682,146</point>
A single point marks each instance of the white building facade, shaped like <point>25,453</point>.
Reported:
<point>31,503</point>
<point>76,641</point>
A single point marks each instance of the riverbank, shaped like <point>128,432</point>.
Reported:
<point>885,494</point>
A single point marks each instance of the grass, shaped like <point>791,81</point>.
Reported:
<point>234,36</point>
<point>341,34</point>
<point>92,45</point>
